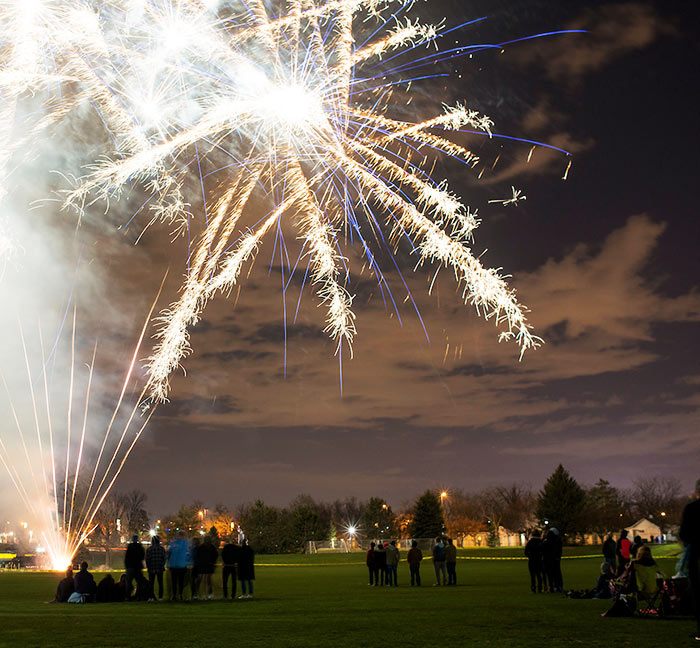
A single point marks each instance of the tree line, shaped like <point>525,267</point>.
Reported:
<point>562,502</point>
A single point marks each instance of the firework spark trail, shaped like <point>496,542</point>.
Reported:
<point>279,93</point>
<point>513,200</point>
<point>65,512</point>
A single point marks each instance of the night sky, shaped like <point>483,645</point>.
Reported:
<point>605,260</point>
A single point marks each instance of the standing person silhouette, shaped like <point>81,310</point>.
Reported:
<point>133,564</point>
<point>689,533</point>
<point>371,562</point>
<point>622,551</point>
<point>535,561</point>
<point>451,562</point>
<point>178,559</point>
<point>552,551</point>
<point>439,555</point>
<point>393,556</point>
<point>246,569</point>
<point>229,558</point>
<point>414,557</point>
<point>155,566</point>
<point>207,564</point>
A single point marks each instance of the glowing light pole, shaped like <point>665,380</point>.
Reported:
<point>443,496</point>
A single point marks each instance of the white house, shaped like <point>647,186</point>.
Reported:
<point>646,529</point>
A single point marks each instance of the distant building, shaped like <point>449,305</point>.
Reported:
<point>646,529</point>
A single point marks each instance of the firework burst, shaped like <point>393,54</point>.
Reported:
<point>293,103</point>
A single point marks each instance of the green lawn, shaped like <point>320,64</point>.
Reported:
<point>324,600</point>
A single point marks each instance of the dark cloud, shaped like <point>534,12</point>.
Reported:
<point>613,30</point>
<point>236,355</point>
<point>197,405</point>
<point>476,370</point>
<point>275,332</point>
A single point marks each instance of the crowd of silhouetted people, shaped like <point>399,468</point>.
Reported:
<point>187,562</point>
<point>383,560</point>
<point>544,561</point>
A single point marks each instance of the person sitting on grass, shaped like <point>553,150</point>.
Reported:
<point>602,588</point>
<point>105,589</point>
<point>65,588</point>
<point>84,583</point>
<point>120,589</point>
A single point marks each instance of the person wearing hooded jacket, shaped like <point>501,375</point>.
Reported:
<point>179,558</point>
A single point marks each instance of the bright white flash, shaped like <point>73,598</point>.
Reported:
<point>293,106</point>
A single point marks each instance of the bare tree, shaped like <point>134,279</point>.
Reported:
<point>511,506</point>
<point>347,513</point>
<point>518,506</point>
<point>464,515</point>
<point>659,499</point>
<point>108,520</point>
<point>223,520</point>
<point>135,519</point>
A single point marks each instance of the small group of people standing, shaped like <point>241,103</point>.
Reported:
<point>544,561</point>
<point>197,560</point>
<point>383,559</point>
<point>618,554</point>
<point>192,562</point>
<point>445,561</point>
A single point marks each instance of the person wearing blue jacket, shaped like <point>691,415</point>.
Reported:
<point>179,558</point>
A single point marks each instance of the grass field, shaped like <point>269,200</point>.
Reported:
<point>324,600</point>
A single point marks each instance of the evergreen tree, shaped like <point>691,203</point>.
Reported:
<point>378,520</point>
<point>428,521</point>
<point>561,503</point>
<point>605,509</point>
<point>261,524</point>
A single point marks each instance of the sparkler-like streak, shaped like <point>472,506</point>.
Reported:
<point>513,200</point>
<point>62,502</point>
<point>289,101</point>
